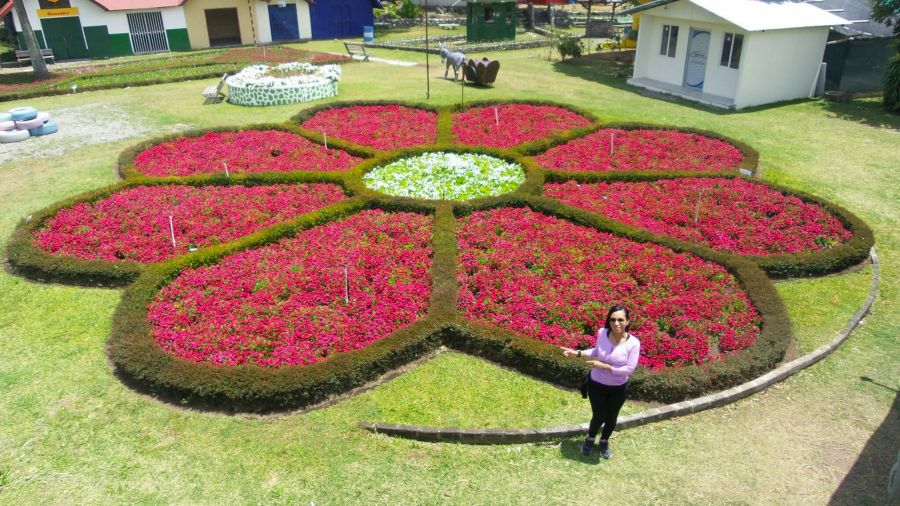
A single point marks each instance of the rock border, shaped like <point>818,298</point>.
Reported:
<point>507,436</point>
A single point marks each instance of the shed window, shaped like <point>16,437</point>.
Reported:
<point>731,50</point>
<point>488,14</point>
<point>669,40</point>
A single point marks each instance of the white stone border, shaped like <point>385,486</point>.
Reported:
<point>494,436</point>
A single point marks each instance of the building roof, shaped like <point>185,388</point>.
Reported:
<point>133,5</point>
<point>758,15</point>
<point>859,14</point>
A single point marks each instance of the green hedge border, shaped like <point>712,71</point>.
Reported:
<point>140,361</point>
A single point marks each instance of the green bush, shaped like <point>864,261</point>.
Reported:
<point>569,46</point>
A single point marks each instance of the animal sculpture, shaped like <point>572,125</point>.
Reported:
<point>454,58</point>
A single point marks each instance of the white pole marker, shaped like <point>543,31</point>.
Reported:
<point>172,231</point>
<point>226,168</point>
<point>612,142</point>
<point>346,286</point>
<point>325,136</point>
<point>496,117</point>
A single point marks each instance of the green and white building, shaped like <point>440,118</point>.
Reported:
<point>103,28</point>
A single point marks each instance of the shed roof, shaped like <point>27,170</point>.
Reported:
<point>134,5</point>
<point>758,15</point>
<point>859,14</point>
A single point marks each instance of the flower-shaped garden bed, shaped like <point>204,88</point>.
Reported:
<point>361,256</point>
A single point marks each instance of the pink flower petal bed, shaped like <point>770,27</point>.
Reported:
<point>284,304</point>
<point>384,127</point>
<point>133,224</point>
<point>642,150</point>
<point>242,152</point>
<point>727,214</point>
<point>512,124</point>
<point>552,280</point>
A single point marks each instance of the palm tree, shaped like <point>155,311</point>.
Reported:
<point>34,51</point>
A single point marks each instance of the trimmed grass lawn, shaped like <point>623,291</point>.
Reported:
<point>70,432</point>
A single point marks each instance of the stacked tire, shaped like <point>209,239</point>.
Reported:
<point>23,122</point>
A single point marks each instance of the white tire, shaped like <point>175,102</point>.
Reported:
<point>14,136</point>
<point>29,124</point>
<point>7,125</point>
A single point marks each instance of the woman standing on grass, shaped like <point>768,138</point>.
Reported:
<point>615,358</point>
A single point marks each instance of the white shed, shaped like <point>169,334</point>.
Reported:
<point>731,53</point>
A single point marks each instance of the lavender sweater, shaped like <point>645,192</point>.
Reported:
<point>623,358</point>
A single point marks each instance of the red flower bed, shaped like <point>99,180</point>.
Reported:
<point>642,150</point>
<point>133,224</point>
<point>733,215</point>
<point>284,304</point>
<point>553,281</point>
<point>384,127</point>
<point>518,123</point>
<point>249,151</point>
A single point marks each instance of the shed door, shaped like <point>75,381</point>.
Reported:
<point>283,21</point>
<point>695,65</point>
<point>65,38</point>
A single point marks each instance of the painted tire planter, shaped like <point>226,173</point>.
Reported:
<point>32,123</point>
<point>23,113</point>
<point>47,128</point>
<point>7,125</point>
<point>5,116</point>
<point>289,83</point>
<point>13,136</point>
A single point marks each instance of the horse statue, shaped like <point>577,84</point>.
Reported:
<point>454,58</point>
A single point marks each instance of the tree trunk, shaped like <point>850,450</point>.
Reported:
<point>34,50</point>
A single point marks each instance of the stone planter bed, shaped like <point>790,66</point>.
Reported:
<point>255,86</point>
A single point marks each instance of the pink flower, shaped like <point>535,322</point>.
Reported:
<point>383,127</point>
<point>248,151</point>
<point>512,124</point>
<point>290,303</point>
<point>731,215</point>
<point>641,150</point>
<point>133,224</point>
<point>553,281</point>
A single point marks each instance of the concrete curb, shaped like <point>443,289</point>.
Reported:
<point>502,436</point>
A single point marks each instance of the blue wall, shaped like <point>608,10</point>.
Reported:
<point>338,19</point>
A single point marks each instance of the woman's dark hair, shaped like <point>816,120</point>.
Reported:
<point>618,307</point>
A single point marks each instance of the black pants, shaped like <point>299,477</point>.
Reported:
<point>606,401</point>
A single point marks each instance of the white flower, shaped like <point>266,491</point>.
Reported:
<point>286,75</point>
<point>446,176</point>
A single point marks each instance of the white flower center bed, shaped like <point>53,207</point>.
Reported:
<point>288,83</point>
<point>446,176</point>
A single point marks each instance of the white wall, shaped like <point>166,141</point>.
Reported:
<point>780,65</point>
<point>265,28</point>
<point>720,81</point>
<point>648,62</point>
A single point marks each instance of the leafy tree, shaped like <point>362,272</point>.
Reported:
<point>892,85</point>
<point>887,12</point>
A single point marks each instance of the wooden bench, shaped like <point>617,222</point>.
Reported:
<point>214,94</point>
<point>448,26</point>
<point>356,49</point>
<point>23,56</point>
